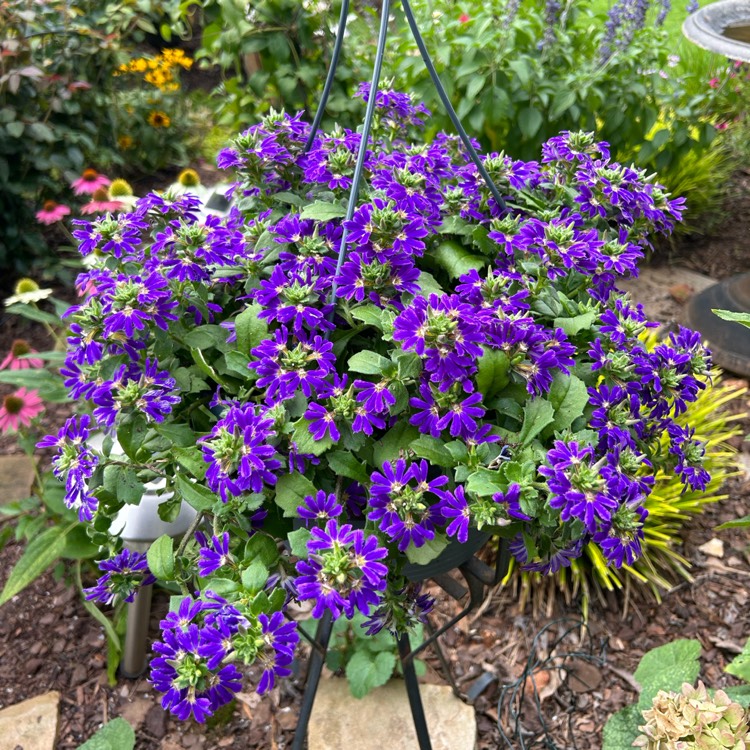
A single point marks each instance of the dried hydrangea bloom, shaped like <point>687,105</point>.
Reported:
<point>694,720</point>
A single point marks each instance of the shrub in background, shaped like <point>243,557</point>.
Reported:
<point>518,73</point>
<point>62,108</point>
<point>274,53</point>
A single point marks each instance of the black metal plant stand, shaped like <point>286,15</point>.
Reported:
<point>476,574</point>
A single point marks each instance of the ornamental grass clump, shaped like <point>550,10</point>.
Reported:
<point>339,398</point>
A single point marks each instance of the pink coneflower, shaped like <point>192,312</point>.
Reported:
<point>19,409</point>
<point>16,360</point>
<point>101,202</point>
<point>714,83</point>
<point>89,182</point>
<point>51,212</point>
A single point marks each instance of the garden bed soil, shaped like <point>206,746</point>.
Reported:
<point>49,642</point>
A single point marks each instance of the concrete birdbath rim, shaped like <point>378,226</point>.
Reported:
<point>707,26</point>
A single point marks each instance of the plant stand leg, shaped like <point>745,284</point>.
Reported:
<point>314,670</point>
<point>133,661</point>
<point>412,691</point>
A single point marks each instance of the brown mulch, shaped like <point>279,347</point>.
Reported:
<point>49,642</point>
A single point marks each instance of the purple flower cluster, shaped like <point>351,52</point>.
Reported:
<point>239,452</point>
<point>202,640</point>
<point>405,503</point>
<point>343,572</point>
<point>124,575</point>
<point>494,335</point>
<point>74,464</point>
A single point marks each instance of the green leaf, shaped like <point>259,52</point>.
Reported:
<point>250,329</point>
<point>32,313</point>
<point>733,317</point>
<point>78,546</point>
<point>456,260</point>
<point>568,396</point>
<point>522,69</point>
<point>738,523</point>
<point>492,373</point>
<point>476,84</point>
<point>291,491</point>
<point>740,665</point>
<point>114,735</point>
<point>254,577</point>
<point>433,450</point>
<point>427,552</point>
<point>15,129</point>
<point>390,446</point>
<point>573,325</point>
<point>484,482</point>
<point>160,557</point>
<point>409,364</point>
<point>561,102</point>
<point>621,729</point>
<point>179,434</point>
<point>344,463</point>
<point>666,668</point>
<point>739,694</point>
<point>195,495</point>
<point>131,435</point>
<point>205,337</point>
<point>306,443</point>
<point>369,363</point>
<point>323,211</point>
<point>365,671</point>
<point>529,121</point>
<point>428,285</point>
<point>537,414</point>
<point>298,541</point>
<point>41,552</point>
<point>261,547</point>
<point>369,314</point>
<point>191,459</point>
<point>129,488</point>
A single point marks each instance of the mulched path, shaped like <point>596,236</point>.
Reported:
<point>49,642</point>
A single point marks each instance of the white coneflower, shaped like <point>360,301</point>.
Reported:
<point>27,291</point>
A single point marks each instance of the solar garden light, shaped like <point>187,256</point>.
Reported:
<point>139,526</point>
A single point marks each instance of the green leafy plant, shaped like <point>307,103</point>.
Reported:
<point>274,53</point>
<point>114,735</point>
<point>665,670</point>
<point>367,660</point>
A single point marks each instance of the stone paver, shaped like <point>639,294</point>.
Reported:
<point>32,724</point>
<point>16,478</point>
<point>382,719</point>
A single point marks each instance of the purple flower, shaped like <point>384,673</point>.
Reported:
<point>291,362</point>
<point>456,508</point>
<point>124,575</point>
<point>214,555</point>
<point>401,502</point>
<point>343,572</point>
<point>238,452</point>
<point>320,508</point>
<point>322,422</point>
<point>280,639</point>
<point>74,464</point>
